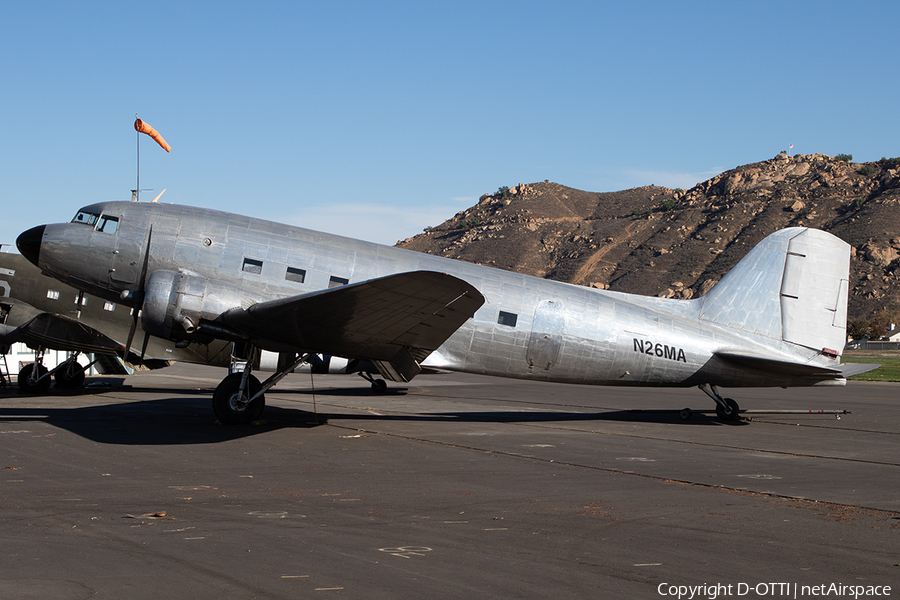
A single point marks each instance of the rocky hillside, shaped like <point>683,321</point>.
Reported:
<point>675,243</point>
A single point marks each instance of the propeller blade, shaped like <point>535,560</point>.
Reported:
<point>139,300</point>
<point>131,331</point>
<point>143,280</point>
<point>144,348</point>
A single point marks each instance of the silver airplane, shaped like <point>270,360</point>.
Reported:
<point>199,275</point>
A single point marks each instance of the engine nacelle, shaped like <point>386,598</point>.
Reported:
<point>176,303</point>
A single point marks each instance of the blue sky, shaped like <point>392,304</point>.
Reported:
<point>376,119</point>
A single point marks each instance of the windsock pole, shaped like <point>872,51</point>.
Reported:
<point>141,127</point>
<point>137,188</point>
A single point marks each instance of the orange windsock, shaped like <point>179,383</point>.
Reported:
<point>142,127</point>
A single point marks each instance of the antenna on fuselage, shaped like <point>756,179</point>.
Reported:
<point>134,194</point>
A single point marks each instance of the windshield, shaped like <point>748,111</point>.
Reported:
<point>108,224</point>
<point>85,218</point>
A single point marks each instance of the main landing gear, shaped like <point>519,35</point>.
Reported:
<point>726,408</point>
<point>237,400</point>
<point>35,378</point>
<point>240,397</point>
<point>70,374</point>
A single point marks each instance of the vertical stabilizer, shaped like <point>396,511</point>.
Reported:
<point>791,287</point>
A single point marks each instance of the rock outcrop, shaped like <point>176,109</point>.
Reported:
<point>675,243</point>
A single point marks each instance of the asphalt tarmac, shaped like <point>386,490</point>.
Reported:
<point>452,486</point>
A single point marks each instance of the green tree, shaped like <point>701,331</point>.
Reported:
<point>858,328</point>
<point>881,323</point>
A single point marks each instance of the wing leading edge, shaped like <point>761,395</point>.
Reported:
<point>394,321</point>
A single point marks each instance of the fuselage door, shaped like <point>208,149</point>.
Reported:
<point>547,329</point>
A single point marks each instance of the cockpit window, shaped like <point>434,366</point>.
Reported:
<point>85,218</point>
<point>108,224</point>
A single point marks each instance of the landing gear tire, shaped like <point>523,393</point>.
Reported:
<point>231,407</point>
<point>70,377</point>
<point>685,414</point>
<point>379,386</point>
<point>729,412</point>
<point>39,386</point>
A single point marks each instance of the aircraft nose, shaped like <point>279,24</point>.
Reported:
<point>29,243</point>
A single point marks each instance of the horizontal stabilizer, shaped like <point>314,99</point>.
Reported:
<point>851,369</point>
<point>777,366</point>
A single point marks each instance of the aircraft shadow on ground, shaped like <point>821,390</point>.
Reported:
<point>180,419</point>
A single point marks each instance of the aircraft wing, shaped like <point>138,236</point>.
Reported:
<point>25,323</point>
<point>395,321</point>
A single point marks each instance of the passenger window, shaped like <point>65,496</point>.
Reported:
<point>108,224</point>
<point>507,318</point>
<point>292,274</point>
<point>337,282</point>
<point>252,266</point>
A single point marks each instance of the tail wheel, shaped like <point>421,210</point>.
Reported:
<point>729,412</point>
<point>35,385</point>
<point>232,407</point>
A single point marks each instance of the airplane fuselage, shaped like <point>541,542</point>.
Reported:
<point>528,327</point>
